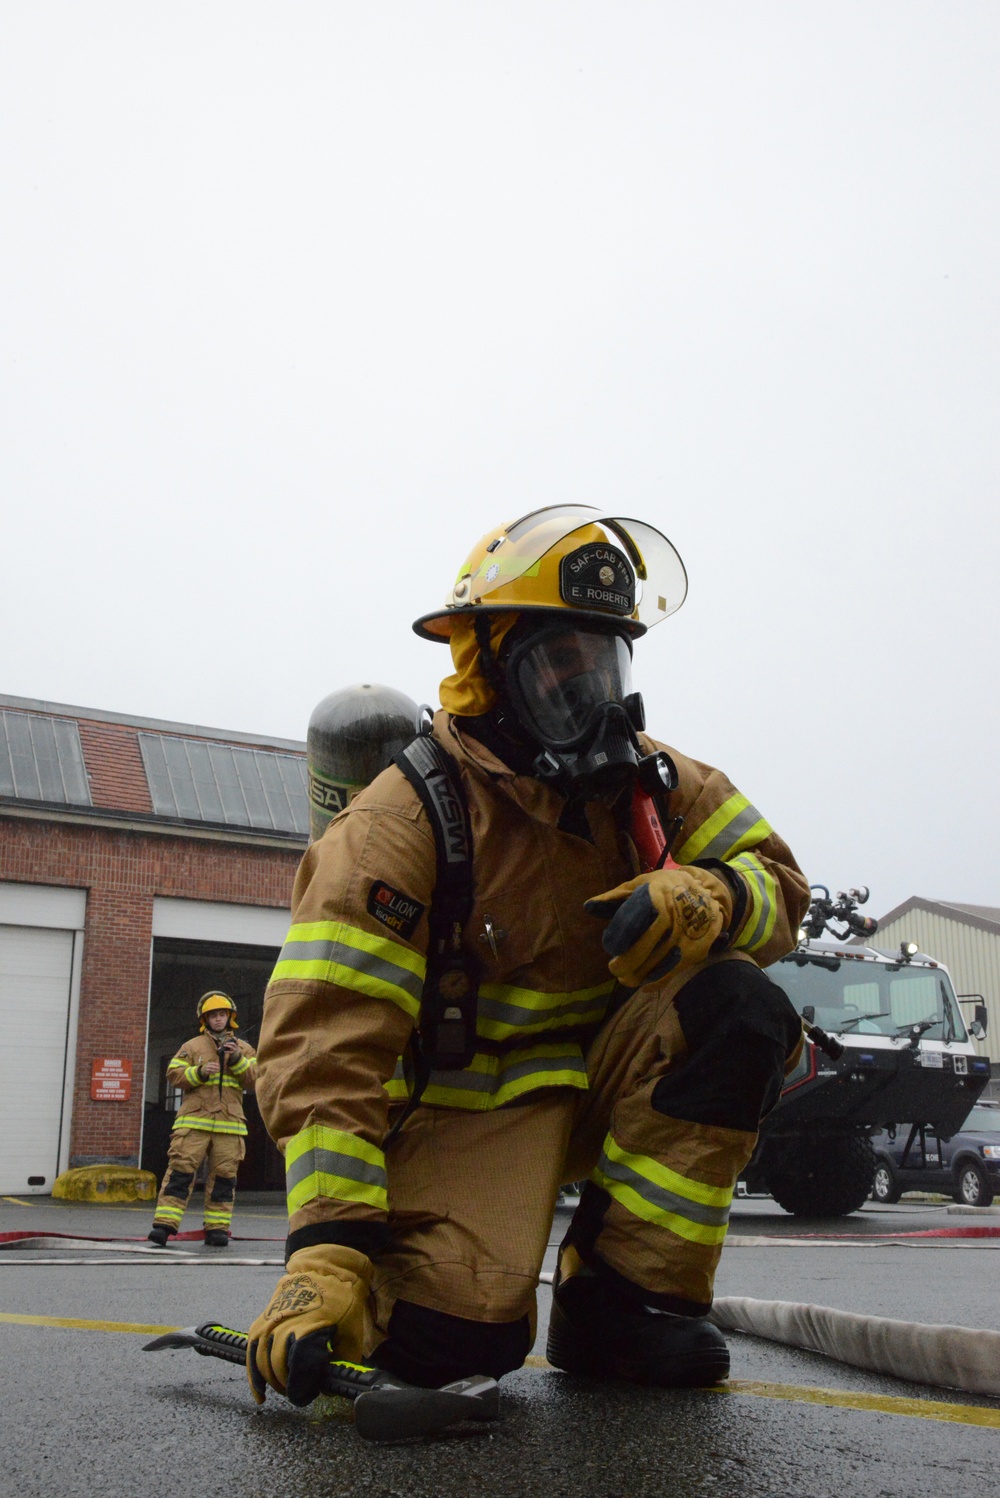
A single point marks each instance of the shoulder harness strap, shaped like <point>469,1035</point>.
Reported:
<point>445,1039</point>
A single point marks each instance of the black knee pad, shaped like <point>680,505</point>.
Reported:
<point>431,1348</point>
<point>179,1183</point>
<point>735,997</point>
<point>740,1029</point>
<point>223,1189</point>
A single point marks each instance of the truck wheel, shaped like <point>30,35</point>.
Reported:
<point>885,1187</point>
<point>827,1177</point>
<point>972,1185</point>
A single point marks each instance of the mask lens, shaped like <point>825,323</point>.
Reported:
<point>569,674</point>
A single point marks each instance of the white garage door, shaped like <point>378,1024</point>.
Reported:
<point>35,973</point>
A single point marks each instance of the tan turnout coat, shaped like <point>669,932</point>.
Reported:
<point>205,1105</point>
<point>345,993</point>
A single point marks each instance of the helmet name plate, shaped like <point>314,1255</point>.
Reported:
<point>597,576</point>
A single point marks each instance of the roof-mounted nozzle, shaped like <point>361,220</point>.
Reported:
<point>824,910</point>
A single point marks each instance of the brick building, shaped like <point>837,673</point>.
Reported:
<point>141,862</point>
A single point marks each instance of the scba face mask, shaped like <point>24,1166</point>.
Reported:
<point>571,689</point>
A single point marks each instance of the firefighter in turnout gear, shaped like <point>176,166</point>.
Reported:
<point>624,1031</point>
<point>213,1071</point>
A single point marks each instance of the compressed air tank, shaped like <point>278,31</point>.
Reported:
<point>353,735</point>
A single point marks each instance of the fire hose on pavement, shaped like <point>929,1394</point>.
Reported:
<point>952,1357</point>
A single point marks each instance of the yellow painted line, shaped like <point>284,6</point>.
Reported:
<point>71,1323</point>
<point>883,1404</point>
<point>16,1201</point>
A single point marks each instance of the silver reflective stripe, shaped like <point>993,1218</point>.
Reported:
<point>476,1081</point>
<point>765,907</point>
<point>730,835</point>
<point>331,1163</point>
<point>357,959</point>
<point>520,1017</point>
<point>660,1197</point>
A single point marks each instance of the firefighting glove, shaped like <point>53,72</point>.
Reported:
<point>662,920</point>
<point>317,1312</point>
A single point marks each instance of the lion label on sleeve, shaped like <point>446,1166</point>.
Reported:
<point>394,910</point>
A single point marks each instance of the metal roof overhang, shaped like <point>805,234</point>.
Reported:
<point>91,816</point>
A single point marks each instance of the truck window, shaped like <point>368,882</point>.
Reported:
<point>871,998</point>
<point>914,998</point>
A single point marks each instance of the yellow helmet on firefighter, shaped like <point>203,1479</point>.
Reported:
<point>567,558</point>
<point>216,999</point>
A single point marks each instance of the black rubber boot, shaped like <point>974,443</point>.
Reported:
<point>159,1234</point>
<point>596,1332</point>
<point>216,1238</point>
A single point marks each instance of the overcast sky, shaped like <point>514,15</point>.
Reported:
<point>299,299</point>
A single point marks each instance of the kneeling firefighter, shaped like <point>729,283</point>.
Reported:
<point>213,1071</point>
<point>647,1073</point>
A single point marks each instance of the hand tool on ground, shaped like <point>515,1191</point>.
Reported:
<point>385,1408</point>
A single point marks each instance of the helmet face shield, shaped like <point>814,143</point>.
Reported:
<point>568,558</point>
<point>660,578</point>
<point>562,680</point>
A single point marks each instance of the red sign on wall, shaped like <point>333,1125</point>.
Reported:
<point>111,1080</point>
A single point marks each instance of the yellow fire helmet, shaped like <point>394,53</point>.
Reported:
<point>568,557</point>
<point>215,999</point>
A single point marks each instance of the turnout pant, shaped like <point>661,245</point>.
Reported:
<point>679,1077</point>
<point>188,1148</point>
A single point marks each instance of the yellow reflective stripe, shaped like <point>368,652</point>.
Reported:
<point>670,1180</point>
<point>339,931</point>
<point>759,924</point>
<point>733,826</point>
<point>333,952</point>
<point>639,1207</point>
<point>210,1125</point>
<point>490,1081</point>
<point>477,1102</point>
<point>187,1069</point>
<point>322,1161</point>
<point>505,1011</point>
<point>662,1196</point>
<point>323,1136</point>
<point>239,1067</point>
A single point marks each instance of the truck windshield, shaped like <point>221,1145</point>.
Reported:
<point>872,998</point>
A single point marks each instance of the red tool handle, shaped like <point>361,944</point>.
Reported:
<point>648,834</point>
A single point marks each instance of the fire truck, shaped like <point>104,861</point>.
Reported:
<point>887,1044</point>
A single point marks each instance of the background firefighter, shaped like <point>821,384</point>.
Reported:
<point>648,1075</point>
<point>213,1071</point>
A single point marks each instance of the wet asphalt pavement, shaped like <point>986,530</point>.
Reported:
<point>87,1412</point>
